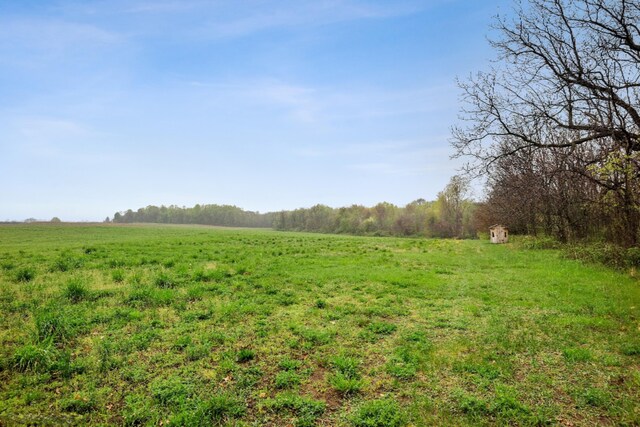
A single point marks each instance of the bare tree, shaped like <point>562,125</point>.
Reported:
<point>567,79</point>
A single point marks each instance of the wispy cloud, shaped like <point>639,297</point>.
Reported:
<point>52,34</point>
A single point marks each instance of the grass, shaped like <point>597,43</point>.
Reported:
<point>188,325</point>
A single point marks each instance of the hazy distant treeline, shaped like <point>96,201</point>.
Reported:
<point>450,215</point>
<point>418,218</point>
<point>221,215</point>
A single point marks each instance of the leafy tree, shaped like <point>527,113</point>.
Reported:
<point>567,84</point>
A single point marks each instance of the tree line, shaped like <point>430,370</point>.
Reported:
<point>219,215</point>
<point>450,215</point>
<point>554,125</point>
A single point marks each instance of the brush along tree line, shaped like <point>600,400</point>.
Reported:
<point>450,215</point>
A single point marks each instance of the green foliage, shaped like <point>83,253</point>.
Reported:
<point>80,403</point>
<point>346,379</point>
<point>165,280</point>
<point>286,379</point>
<point>66,262</point>
<point>34,357</point>
<point>245,355</point>
<point>382,328</point>
<point>378,413</point>
<point>305,409</point>
<point>24,274</point>
<point>54,325</point>
<point>577,354</point>
<point>117,276</point>
<point>170,391</point>
<point>536,242</point>
<point>220,408</point>
<point>76,291</point>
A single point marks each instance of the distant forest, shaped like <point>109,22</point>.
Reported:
<point>450,215</point>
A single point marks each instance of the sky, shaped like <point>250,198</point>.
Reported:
<point>266,105</point>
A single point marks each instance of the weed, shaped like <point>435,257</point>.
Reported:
<point>220,408</point>
<point>287,379</point>
<point>288,364</point>
<point>53,325</point>
<point>631,348</point>
<point>170,391</point>
<point>245,355</point>
<point>378,413</point>
<point>306,410</point>
<point>65,263</point>
<point>164,280</point>
<point>34,357</point>
<point>117,275</point>
<point>137,409</point>
<point>381,328</point>
<point>76,291</point>
<point>577,354</point>
<point>24,274</point>
<point>197,352</point>
<point>79,403</point>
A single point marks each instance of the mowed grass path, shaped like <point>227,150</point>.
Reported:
<point>162,325</point>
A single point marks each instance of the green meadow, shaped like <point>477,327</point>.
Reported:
<point>187,325</point>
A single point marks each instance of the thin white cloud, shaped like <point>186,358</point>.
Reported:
<point>52,34</point>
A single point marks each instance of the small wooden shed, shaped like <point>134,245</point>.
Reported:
<point>498,234</point>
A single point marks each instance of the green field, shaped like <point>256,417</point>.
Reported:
<point>186,325</point>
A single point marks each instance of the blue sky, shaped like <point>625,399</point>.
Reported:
<point>267,105</point>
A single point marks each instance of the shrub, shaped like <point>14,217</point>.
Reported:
<point>378,413</point>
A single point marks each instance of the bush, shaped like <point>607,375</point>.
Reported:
<point>537,242</point>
